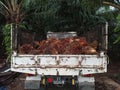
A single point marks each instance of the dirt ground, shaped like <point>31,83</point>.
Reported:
<point>111,79</point>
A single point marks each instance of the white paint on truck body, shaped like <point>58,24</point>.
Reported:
<point>59,64</point>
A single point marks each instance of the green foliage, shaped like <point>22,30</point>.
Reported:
<point>63,15</point>
<point>7,39</point>
<point>13,12</point>
<point>117,30</point>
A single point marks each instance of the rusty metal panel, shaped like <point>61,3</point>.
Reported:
<point>59,64</point>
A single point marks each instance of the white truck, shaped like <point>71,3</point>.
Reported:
<point>60,69</point>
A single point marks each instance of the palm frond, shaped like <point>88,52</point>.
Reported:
<point>3,6</point>
<point>9,6</point>
<point>12,9</point>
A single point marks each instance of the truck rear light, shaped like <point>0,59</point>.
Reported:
<point>88,75</point>
<point>50,80</point>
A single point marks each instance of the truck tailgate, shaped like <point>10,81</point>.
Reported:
<point>59,64</point>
